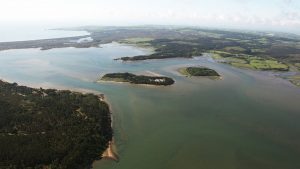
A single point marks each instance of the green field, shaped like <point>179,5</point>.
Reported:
<point>137,40</point>
<point>140,42</point>
<point>234,49</point>
<point>263,64</point>
<point>258,50</point>
<point>251,62</point>
<point>297,65</point>
<point>295,80</point>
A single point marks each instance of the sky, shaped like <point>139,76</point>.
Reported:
<point>275,15</point>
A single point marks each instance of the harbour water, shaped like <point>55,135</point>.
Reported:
<point>247,120</point>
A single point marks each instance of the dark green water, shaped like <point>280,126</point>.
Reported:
<point>248,120</point>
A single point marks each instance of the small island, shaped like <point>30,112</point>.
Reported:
<point>198,71</point>
<point>138,79</point>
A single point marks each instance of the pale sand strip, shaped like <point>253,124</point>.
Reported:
<point>150,73</point>
<point>110,152</point>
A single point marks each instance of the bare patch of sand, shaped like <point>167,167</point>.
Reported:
<point>110,152</point>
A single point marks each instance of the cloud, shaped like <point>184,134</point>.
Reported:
<point>240,13</point>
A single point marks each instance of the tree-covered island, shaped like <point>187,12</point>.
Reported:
<point>51,129</point>
<point>198,71</point>
<point>138,79</point>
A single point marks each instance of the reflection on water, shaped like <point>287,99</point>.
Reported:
<point>247,120</point>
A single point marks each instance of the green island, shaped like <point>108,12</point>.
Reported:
<point>198,71</point>
<point>138,79</point>
<point>47,128</point>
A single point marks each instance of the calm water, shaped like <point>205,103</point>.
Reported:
<point>247,120</point>
<point>23,33</point>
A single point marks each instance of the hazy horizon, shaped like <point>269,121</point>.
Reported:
<point>279,16</point>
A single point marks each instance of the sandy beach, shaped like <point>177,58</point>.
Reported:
<point>110,152</point>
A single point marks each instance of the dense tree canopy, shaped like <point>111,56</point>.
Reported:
<point>138,79</point>
<point>50,128</point>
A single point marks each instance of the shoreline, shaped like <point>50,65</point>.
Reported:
<point>53,86</point>
<point>132,84</point>
<point>111,151</point>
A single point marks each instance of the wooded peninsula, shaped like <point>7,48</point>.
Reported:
<point>47,128</point>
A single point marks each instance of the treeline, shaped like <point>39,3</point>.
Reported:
<point>46,128</point>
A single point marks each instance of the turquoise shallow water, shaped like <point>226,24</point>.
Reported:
<point>247,120</point>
